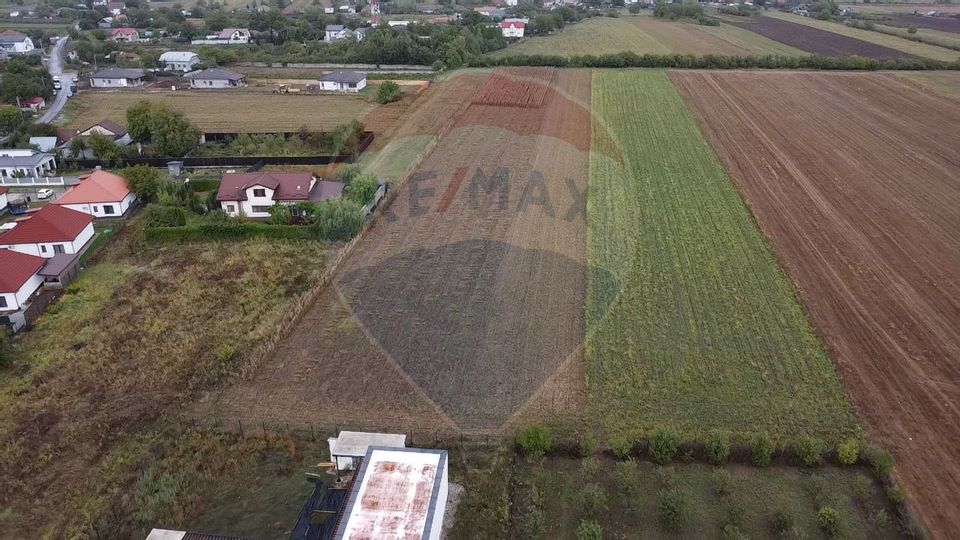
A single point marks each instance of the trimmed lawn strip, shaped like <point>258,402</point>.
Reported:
<point>698,328</point>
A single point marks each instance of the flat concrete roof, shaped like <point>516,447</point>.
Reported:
<point>356,443</point>
<point>395,494</point>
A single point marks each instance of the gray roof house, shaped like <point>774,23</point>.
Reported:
<point>343,81</point>
<point>179,60</point>
<point>117,78</point>
<point>215,78</point>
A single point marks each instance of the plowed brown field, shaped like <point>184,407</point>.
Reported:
<point>462,309</point>
<point>860,199</point>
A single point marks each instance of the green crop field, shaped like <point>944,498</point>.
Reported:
<point>598,35</point>
<point>690,321</point>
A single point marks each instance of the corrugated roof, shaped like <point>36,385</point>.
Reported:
<point>291,186</point>
<point>118,73</point>
<point>99,187</point>
<point>53,223</point>
<point>58,263</point>
<point>178,56</point>
<point>16,268</point>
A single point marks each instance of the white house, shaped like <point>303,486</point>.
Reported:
<point>343,81</point>
<point>117,78</point>
<point>252,194</point>
<point>227,36</point>
<point>124,35</point>
<point>397,493</point>
<point>51,231</point>
<point>116,8</point>
<point>335,32</point>
<point>19,279</point>
<point>4,202</point>
<point>179,60</point>
<point>216,78</point>
<point>15,43</point>
<point>102,194</point>
<point>512,28</point>
<point>25,162</point>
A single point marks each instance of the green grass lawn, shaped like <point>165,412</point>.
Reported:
<point>690,321</point>
<point>598,35</point>
<point>554,495</point>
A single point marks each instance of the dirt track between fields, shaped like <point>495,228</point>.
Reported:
<point>855,179</point>
<point>462,309</point>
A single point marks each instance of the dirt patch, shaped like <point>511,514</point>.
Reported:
<point>818,41</point>
<point>943,24</point>
<point>860,201</point>
<point>463,307</point>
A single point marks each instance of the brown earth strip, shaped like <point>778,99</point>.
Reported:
<point>819,41</point>
<point>860,201</point>
<point>463,307</point>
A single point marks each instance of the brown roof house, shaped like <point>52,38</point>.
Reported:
<point>252,194</point>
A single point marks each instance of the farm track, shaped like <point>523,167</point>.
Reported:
<point>462,309</point>
<point>859,199</point>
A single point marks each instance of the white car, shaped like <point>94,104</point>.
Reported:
<point>44,193</point>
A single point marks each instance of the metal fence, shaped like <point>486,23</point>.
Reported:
<point>29,181</point>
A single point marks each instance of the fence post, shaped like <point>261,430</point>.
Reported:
<point>240,425</point>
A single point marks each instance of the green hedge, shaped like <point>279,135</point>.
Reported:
<point>230,231</point>
<point>205,184</point>
<point>688,61</point>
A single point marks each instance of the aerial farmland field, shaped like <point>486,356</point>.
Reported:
<point>822,41</point>
<point>859,199</point>
<point>690,321</point>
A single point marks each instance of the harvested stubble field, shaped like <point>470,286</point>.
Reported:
<point>690,321</point>
<point>226,110</point>
<point>820,41</point>
<point>859,199</point>
<point>906,47</point>
<point>462,309</point>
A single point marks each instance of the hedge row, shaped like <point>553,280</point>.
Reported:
<point>229,231</point>
<point>205,184</point>
<point>688,61</point>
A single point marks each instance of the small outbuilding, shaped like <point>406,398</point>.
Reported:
<point>216,78</point>
<point>179,60</point>
<point>343,81</point>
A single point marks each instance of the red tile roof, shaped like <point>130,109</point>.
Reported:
<point>515,24</point>
<point>53,223</point>
<point>3,190</point>
<point>285,186</point>
<point>99,187</point>
<point>16,268</point>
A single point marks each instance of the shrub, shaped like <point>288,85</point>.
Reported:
<point>848,452</point>
<point>735,514</point>
<point>590,466</point>
<point>388,92</point>
<point>718,447</point>
<point>362,189</point>
<point>862,488</point>
<point>593,499</point>
<point>589,530</point>
<point>6,349</point>
<point>722,481</point>
<point>225,353</point>
<point>164,216</point>
<point>664,445</point>
<point>895,494</point>
<point>621,448</point>
<point>761,449</point>
<point>911,29</point>
<point>588,445</point>
<point>535,441</point>
<point>878,519</point>
<point>144,181</point>
<point>809,451</point>
<point>673,509</point>
<point>782,522</point>
<point>534,523</point>
<point>880,461</point>
<point>829,519</point>
<point>628,479</point>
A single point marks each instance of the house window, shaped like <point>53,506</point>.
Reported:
<point>94,208</point>
<point>231,208</point>
<point>3,301</point>
<point>43,248</point>
<point>261,209</point>
<point>259,192</point>
<point>352,85</point>
<point>108,209</point>
<point>58,249</point>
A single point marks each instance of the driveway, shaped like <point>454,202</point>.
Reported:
<point>55,67</point>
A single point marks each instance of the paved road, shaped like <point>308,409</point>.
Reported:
<point>55,67</point>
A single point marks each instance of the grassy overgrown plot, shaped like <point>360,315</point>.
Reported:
<point>699,327</point>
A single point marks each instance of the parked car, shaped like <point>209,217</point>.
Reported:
<point>44,193</point>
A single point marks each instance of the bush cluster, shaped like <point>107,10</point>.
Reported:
<point>809,451</point>
<point>388,92</point>
<point>535,441</point>
<point>761,449</point>
<point>710,61</point>
<point>829,520</point>
<point>231,230</point>
<point>848,452</point>
<point>718,447</point>
<point>164,216</point>
<point>589,530</point>
<point>880,461</point>
<point>664,445</point>
<point>673,509</point>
